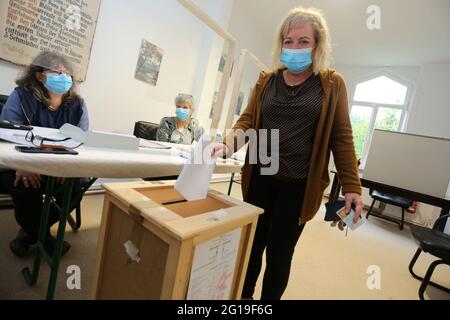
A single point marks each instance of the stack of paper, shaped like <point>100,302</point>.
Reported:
<point>92,139</point>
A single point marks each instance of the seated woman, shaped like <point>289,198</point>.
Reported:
<point>45,97</point>
<point>182,129</point>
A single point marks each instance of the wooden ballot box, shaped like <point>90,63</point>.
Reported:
<point>155,245</point>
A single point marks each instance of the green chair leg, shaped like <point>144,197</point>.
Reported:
<point>68,185</point>
<point>31,277</point>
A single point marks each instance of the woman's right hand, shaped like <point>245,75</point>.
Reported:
<point>28,179</point>
<point>220,150</point>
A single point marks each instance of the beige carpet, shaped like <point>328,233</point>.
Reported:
<point>326,265</point>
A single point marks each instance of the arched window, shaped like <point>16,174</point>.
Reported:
<point>379,102</point>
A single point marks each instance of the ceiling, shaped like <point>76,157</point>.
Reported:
<point>413,32</point>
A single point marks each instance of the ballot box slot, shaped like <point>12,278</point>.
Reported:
<point>172,202</point>
<point>170,199</point>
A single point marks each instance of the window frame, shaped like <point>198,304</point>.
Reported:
<point>376,106</point>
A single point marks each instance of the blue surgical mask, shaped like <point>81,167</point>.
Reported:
<point>296,60</point>
<point>58,83</point>
<point>182,114</point>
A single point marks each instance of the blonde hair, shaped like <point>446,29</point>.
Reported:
<point>322,53</point>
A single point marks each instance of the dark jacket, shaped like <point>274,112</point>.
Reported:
<point>23,108</point>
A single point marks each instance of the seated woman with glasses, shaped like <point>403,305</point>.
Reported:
<point>182,129</point>
<point>45,97</point>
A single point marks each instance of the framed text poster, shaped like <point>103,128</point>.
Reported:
<point>28,27</point>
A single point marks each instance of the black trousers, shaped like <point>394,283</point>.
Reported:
<point>28,203</point>
<point>277,232</point>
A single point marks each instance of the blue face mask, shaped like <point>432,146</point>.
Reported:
<point>296,60</point>
<point>58,83</point>
<point>182,114</point>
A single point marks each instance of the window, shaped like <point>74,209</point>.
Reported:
<point>378,103</point>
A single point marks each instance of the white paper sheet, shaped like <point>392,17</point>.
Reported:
<point>196,175</point>
<point>14,136</point>
<point>18,137</point>
<point>213,267</point>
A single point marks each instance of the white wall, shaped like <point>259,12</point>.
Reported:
<point>430,113</point>
<point>250,37</point>
<point>352,73</point>
<point>9,74</point>
<point>115,99</point>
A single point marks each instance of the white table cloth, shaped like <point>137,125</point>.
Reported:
<point>103,163</point>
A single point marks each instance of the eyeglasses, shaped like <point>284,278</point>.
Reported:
<point>38,141</point>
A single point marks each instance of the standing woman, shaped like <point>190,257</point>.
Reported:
<point>307,103</point>
<point>45,97</point>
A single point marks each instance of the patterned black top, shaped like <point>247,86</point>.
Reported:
<point>295,111</point>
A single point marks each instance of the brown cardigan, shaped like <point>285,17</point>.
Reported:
<point>334,133</point>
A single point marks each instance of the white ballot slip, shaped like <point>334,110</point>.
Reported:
<point>195,177</point>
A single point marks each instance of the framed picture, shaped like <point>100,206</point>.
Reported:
<point>213,104</point>
<point>240,102</point>
<point>149,63</point>
<point>223,60</point>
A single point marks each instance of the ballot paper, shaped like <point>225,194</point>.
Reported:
<point>14,136</point>
<point>196,175</point>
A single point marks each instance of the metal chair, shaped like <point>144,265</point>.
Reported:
<point>436,243</point>
<point>392,200</point>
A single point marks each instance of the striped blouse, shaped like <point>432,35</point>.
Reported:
<point>295,111</point>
